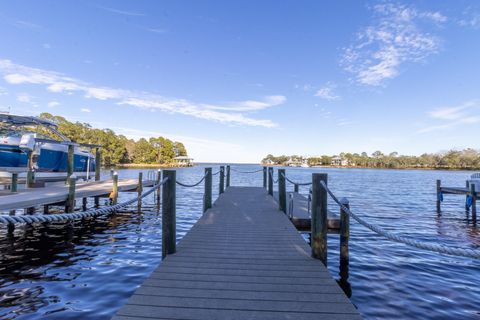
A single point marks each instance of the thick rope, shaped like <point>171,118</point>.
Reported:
<point>454,251</point>
<point>233,169</point>
<point>297,183</point>
<point>10,220</point>
<point>271,177</point>
<point>214,174</point>
<point>191,185</point>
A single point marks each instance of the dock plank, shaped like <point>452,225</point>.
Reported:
<point>243,259</point>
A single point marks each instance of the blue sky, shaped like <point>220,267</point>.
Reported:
<point>238,80</point>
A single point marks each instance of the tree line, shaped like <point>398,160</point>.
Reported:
<point>468,159</point>
<point>118,149</point>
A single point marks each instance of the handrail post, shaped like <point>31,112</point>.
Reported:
<point>282,192</point>
<point>140,190</point>
<point>207,198</point>
<point>270,181</point>
<point>439,191</point>
<point>344,231</point>
<point>265,177</point>
<point>169,214</point>
<point>473,194</point>
<point>319,217</point>
<point>114,194</point>
<point>228,176</point>
<point>221,187</point>
<point>467,185</point>
<point>70,204</point>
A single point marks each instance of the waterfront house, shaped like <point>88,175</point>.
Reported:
<point>184,161</point>
<point>339,161</point>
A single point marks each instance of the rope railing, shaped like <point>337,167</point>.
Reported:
<point>455,251</point>
<point>191,185</point>
<point>271,176</point>
<point>214,174</point>
<point>255,171</point>
<point>294,182</point>
<point>42,218</point>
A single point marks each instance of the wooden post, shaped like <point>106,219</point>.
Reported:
<point>168,214</point>
<point>270,181</point>
<point>70,204</point>
<point>14,186</point>
<point>159,178</point>
<point>282,191</point>
<point>114,194</point>
<point>319,217</point>
<point>344,231</point>
<point>84,204</point>
<point>467,185</point>
<point>221,188</point>
<point>98,163</point>
<point>30,173</point>
<point>473,194</point>
<point>207,197</point>
<point>265,177</point>
<point>439,184</point>
<point>140,190</point>
<point>228,176</point>
<point>295,186</point>
<point>70,161</point>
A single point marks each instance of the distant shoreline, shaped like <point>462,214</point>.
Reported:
<point>150,165</point>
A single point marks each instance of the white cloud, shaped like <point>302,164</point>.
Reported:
<point>53,104</point>
<point>327,92</point>
<point>123,12</point>
<point>85,110</point>
<point>24,98</point>
<point>46,46</point>
<point>26,25</point>
<point>393,39</point>
<point>253,105</point>
<point>3,91</point>
<point>59,83</point>
<point>157,30</point>
<point>464,114</point>
<point>471,18</point>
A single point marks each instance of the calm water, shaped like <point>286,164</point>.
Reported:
<point>88,271</point>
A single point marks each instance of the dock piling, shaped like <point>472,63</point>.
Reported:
<point>70,203</point>
<point>114,194</point>
<point>467,185</point>
<point>221,188</point>
<point>70,161</point>
<point>265,177</point>
<point>228,176</point>
<point>14,185</point>
<point>140,190</point>
<point>159,178</point>
<point>439,195</point>
<point>344,231</point>
<point>319,225</point>
<point>98,161</point>
<point>270,181</point>
<point>207,197</point>
<point>295,188</point>
<point>473,194</point>
<point>168,213</point>
<point>282,192</point>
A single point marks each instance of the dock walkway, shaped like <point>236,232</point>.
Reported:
<point>243,259</point>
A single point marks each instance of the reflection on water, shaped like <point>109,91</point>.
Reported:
<point>88,270</point>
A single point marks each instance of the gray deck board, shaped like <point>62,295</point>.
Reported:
<point>242,260</point>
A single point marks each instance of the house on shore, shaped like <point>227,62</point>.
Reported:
<point>184,161</point>
<point>338,161</point>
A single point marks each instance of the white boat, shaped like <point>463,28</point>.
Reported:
<point>49,157</point>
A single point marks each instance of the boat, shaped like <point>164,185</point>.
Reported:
<point>20,141</point>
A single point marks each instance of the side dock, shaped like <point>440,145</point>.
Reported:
<point>243,259</point>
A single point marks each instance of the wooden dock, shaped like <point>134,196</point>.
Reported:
<point>33,197</point>
<point>243,259</point>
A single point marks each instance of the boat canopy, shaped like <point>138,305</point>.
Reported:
<point>25,121</point>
